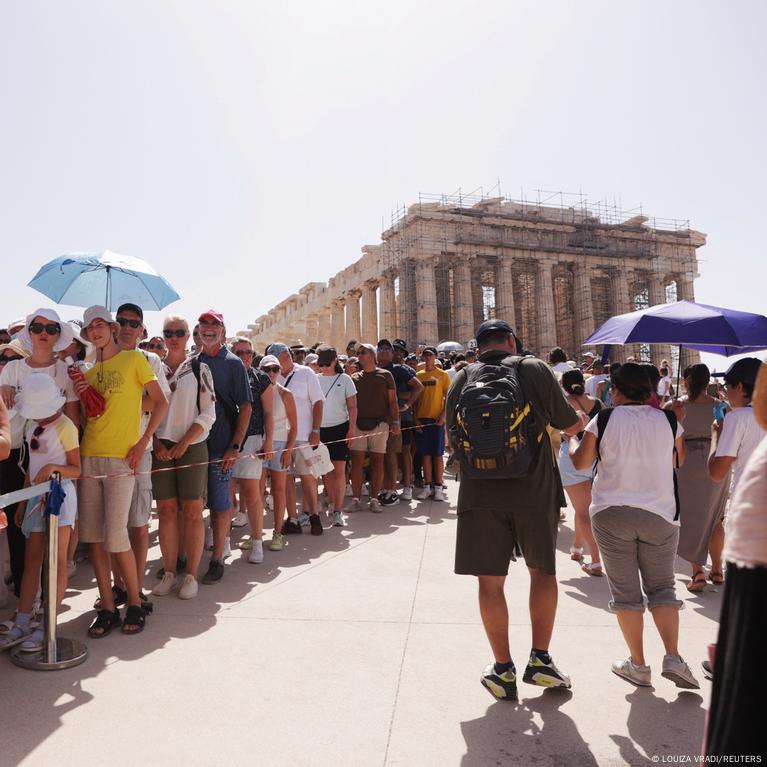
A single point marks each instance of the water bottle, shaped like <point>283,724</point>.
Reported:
<point>719,410</point>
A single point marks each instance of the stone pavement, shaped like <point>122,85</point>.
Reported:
<point>359,647</point>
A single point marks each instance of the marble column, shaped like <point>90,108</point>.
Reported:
<point>620,286</point>
<point>323,326</point>
<point>426,302</point>
<point>547,327</point>
<point>369,332</point>
<point>584,308</point>
<point>388,325</point>
<point>406,301</point>
<point>656,290</point>
<point>685,291</point>
<point>463,312</point>
<point>311,333</point>
<point>353,329</point>
<point>338,325</point>
<point>504,291</point>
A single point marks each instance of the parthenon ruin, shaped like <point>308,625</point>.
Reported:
<point>447,263</point>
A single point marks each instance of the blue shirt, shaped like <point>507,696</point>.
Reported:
<point>230,380</point>
<point>402,374</point>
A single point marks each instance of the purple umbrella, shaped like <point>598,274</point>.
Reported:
<point>684,323</point>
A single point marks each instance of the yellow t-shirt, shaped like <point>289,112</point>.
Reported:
<point>435,385</point>
<point>121,381</point>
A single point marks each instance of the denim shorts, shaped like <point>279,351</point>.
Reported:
<point>219,498</point>
<point>274,464</point>
<point>430,441</point>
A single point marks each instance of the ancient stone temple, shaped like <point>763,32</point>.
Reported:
<point>555,272</point>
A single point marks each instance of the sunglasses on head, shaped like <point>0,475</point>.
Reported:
<point>123,321</point>
<point>244,352</point>
<point>34,443</point>
<point>4,359</point>
<point>271,369</point>
<point>178,333</point>
<point>51,328</point>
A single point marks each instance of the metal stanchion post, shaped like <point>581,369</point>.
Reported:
<point>58,652</point>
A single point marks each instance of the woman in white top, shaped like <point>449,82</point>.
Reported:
<point>339,416</point>
<point>44,334</point>
<point>634,517</point>
<point>284,439</point>
<point>181,452</point>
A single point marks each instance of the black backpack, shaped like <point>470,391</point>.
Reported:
<point>495,435</point>
<point>604,416</point>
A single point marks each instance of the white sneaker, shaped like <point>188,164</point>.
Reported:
<point>338,519</point>
<point>71,568</point>
<point>240,519</point>
<point>439,493</point>
<point>675,669</point>
<point>375,506</point>
<point>422,493</point>
<point>188,588</point>
<point>256,553</point>
<point>165,586</point>
<point>407,494</point>
<point>348,492</point>
<point>208,538</point>
<point>303,519</point>
<point>269,502</point>
<point>638,675</point>
<point>355,505</point>
<point>227,548</point>
<point>366,488</point>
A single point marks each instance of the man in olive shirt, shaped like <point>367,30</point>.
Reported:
<point>500,517</point>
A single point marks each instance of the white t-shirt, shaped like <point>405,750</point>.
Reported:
<point>636,469</point>
<point>336,389</point>
<point>157,368</point>
<point>302,382</point>
<point>561,367</point>
<point>745,539</point>
<point>664,386</point>
<point>592,383</point>
<point>182,402</point>
<point>15,374</point>
<point>740,436</point>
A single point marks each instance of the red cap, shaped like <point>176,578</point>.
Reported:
<point>211,314</point>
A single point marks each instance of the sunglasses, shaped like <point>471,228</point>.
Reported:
<point>34,443</point>
<point>271,369</point>
<point>178,333</point>
<point>244,352</point>
<point>3,360</point>
<point>156,347</point>
<point>326,364</point>
<point>123,321</point>
<point>51,328</point>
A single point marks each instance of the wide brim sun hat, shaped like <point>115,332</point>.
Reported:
<point>40,398</point>
<point>65,337</point>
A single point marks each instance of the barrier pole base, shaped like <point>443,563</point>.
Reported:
<point>69,652</point>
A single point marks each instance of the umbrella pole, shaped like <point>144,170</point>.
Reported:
<point>109,285</point>
<point>678,371</point>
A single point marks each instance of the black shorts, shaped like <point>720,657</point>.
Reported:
<point>330,436</point>
<point>488,539</point>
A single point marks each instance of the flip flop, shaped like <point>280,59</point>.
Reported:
<point>592,568</point>
<point>716,577</point>
<point>15,636</point>
<point>576,553</point>
<point>698,583</point>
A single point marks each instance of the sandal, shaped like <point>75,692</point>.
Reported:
<point>698,582</point>
<point>146,605</point>
<point>35,642</point>
<point>120,598</point>
<point>15,636</point>
<point>135,617</point>
<point>592,568</point>
<point>104,623</point>
<point>716,577</point>
<point>576,553</point>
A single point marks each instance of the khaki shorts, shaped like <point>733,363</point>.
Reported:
<point>373,441</point>
<point>105,503</point>
<point>141,502</point>
<point>186,482</point>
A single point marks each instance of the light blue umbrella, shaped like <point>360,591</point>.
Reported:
<point>109,279</point>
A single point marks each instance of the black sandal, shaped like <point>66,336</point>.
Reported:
<point>104,623</point>
<point>119,595</point>
<point>146,605</point>
<point>135,617</point>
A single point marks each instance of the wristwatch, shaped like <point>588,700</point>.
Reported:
<point>315,431</point>
<point>234,446</point>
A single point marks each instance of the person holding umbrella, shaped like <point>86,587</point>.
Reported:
<point>112,448</point>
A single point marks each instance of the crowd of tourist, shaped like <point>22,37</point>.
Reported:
<point>189,420</point>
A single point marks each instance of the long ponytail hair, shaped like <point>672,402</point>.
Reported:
<point>697,378</point>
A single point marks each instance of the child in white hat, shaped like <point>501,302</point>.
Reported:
<point>54,446</point>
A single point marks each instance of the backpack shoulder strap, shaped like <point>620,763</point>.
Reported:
<point>603,416</point>
<point>195,363</point>
<point>672,422</point>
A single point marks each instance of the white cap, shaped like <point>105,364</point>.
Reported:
<point>268,361</point>
<point>95,313</point>
<point>40,398</point>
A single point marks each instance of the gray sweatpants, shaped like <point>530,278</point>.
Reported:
<point>636,542</point>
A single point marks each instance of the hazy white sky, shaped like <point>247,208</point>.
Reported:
<point>247,148</point>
